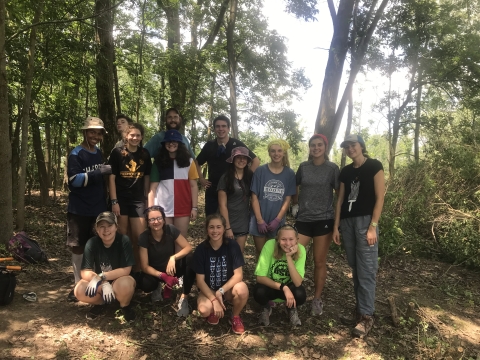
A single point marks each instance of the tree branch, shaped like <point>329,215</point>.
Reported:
<point>333,12</point>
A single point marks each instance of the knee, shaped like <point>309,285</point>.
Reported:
<point>300,295</point>
<point>240,290</point>
<point>260,294</point>
<point>320,263</point>
<point>149,283</point>
<point>124,285</point>
<point>205,309</point>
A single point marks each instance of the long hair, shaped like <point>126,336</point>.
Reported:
<point>321,137</point>
<point>183,156</point>
<point>209,218</point>
<point>278,251</point>
<point>127,131</point>
<point>244,183</point>
<point>155,208</point>
<point>284,145</point>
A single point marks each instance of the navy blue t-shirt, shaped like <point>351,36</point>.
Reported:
<point>87,194</point>
<point>217,265</point>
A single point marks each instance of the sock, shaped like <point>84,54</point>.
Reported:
<point>77,264</point>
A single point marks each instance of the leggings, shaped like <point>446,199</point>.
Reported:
<point>263,294</point>
<point>148,282</point>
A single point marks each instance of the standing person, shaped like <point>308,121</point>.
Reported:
<point>129,184</point>
<point>87,198</point>
<point>273,185</point>
<point>161,263</point>
<point>215,153</point>
<point>359,205</point>
<point>173,183</point>
<point>280,271</point>
<point>123,121</point>
<point>173,121</point>
<point>234,195</point>
<point>106,267</point>
<point>218,264</point>
<point>316,179</point>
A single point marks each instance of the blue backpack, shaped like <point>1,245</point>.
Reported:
<point>25,249</point>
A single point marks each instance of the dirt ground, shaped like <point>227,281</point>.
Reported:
<point>444,325</point>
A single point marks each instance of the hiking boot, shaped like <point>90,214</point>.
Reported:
<point>264,318</point>
<point>363,327</point>
<point>293,315</point>
<point>96,311</point>
<point>157,294</point>
<point>212,319</point>
<point>183,309</point>
<point>237,325</point>
<point>317,307</point>
<point>129,313</point>
<point>352,319</point>
<point>71,297</point>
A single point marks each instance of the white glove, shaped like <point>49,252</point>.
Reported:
<point>107,290</point>
<point>92,286</point>
<point>295,210</point>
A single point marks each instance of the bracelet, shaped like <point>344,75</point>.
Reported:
<point>281,286</point>
<point>228,229</point>
<point>194,208</point>
<point>214,299</point>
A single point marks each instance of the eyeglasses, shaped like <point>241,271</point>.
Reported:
<point>152,220</point>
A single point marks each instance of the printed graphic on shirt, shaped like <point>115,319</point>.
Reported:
<point>274,190</point>
<point>132,166</point>
<point>105,263</point>
<point>279,271</point>
<point>218,270</point>
<point>352,197</point>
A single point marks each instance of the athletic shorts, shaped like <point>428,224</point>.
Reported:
<point>79,229</point>
<point>315,228</point>
<point>131,208</point>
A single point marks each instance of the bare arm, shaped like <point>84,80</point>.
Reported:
<point>338,209</point>
<point>295,197</point>
<point>284,208</point>
<point>379,185</point>
<point>88,274</point>
<point>204,182</point>
<point>294,275</point>
<point>194,190</point>
<point>256,208</point>
<point>151,193</point>
<point>222,206</point>
<point>255,164</point>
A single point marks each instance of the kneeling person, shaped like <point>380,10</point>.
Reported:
<point>218,264</point>
<point>280,271</point>
<point>107,262</point>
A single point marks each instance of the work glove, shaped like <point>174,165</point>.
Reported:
<point>92,286</point>
<point>107,292</point>
<point>170,281</point>
<point>105,169</point>
<point>262,228</point>
<point>295,210</point>
<point>273,225</point>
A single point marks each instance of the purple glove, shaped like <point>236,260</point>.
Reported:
<point>262,228</point>
<point>273,225</point>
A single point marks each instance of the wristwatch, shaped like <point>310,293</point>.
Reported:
<point>374,224</point>
<point>114,201</point>
<point>102,276</point>
<point>221,291</point>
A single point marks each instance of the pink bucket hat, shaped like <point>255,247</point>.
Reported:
<point>240,150</point>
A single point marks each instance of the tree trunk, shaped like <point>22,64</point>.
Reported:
<point>349,125</point>
<point>41,164</point>
<point>139,72</point>
<point>6,200</point>
<point>48,153</point>
<point>232,67</point>
<point>117,88</point>
<point>25,120</point>
<point>417,119</point>
<point>104,74</point>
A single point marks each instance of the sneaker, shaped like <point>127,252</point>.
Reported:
<point>157,294</point>
<point>71,297</point>
<point>96,311</point>
<point>129,313</point>
<point>293,315</point>
<point>317,307</point>
<point>351,319</point>
<point>265,316</point>
<point>363,327</point>
<point>183,309</point>
<point>212,319</point>
<point>237,325</point>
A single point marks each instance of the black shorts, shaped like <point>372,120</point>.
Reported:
<point>131,208</point>
<point>315,228</point>
<point>79,229</point>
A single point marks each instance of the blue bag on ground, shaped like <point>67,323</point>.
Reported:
<point>25,249</point>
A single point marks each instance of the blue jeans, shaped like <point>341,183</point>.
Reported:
<point>363,259</point>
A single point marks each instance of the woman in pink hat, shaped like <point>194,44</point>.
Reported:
<point>234,195</point>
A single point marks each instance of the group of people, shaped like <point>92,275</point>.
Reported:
<point>154,202</point>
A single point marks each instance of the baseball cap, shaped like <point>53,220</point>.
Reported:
<point>352,138</point>
<point>107,216</point>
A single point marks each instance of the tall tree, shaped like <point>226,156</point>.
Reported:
<point>232,66</point>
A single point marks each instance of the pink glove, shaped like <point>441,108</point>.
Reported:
<point>273,225</point>
<point>170,281</point>
<point>262,228</point>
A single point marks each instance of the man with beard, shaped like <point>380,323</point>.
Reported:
<point>173,120</point>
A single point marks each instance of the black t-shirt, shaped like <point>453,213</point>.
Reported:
<point>159,252</point>
<point>129,169</point>
<point>359,199</point>
<point>217,265</point>
<point>99,258</point>
<point>216,160</point>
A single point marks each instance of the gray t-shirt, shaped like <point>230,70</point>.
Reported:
<point>317,183</point>
<point>271,190</point>
<point>238,205</point>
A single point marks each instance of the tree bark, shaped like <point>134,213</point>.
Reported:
<point>25,120</point>
<point>232,67</point>
<point>104,74</point>
<point>139,72</point>
<point>349,125</point>
<point>417,119</point>
<point>117,87</point>
<point>48,153</point>
<point>6,200</point>
<point>41,164</point>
